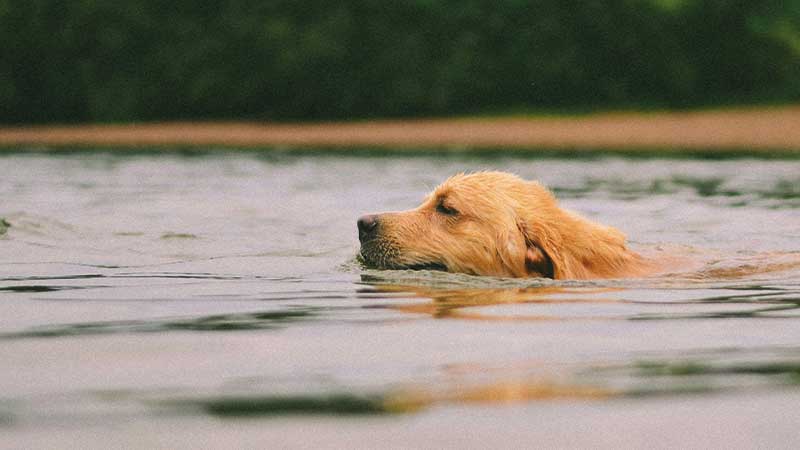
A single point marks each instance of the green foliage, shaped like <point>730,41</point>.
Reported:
<point>114,60</point>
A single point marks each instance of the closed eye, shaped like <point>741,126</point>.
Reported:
<point>441,208</point>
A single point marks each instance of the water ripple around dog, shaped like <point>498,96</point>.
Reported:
<point>151,294</point>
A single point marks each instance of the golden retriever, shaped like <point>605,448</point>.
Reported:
<point>496,224</point>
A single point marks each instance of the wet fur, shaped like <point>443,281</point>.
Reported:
<point>502,226</point>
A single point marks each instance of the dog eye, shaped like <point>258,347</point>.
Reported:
<point>442,209</point>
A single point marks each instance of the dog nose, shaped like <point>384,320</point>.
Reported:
<point>367,225</point>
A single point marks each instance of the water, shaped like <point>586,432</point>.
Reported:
<point>213,300</point>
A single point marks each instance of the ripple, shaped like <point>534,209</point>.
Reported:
<point>172,235</point>
<point>337,404</point>
<point>37,225</point>
<point>42,288</point>
<point>216,323</point>
<point>740,194</point>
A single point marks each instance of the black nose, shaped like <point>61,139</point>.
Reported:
<point>367,226</point>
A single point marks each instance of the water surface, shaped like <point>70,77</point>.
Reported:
<point>213,300</point>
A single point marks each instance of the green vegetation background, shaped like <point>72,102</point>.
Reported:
<point>131,60</point>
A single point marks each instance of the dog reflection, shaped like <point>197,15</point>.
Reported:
<point>464,303</point>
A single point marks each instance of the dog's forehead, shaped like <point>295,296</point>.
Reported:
<point>457,188</point>
<point>479,179</point>
<point>473,184</point>
<point>481,193</point>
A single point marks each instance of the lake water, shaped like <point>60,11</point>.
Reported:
<point>214,300</point>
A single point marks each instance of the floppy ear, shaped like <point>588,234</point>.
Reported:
<point>563,245</point>
<point>557,247</point>
<point>566,246</point>
<point>538,262</point>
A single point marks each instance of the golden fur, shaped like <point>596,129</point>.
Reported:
<point>497,224</point>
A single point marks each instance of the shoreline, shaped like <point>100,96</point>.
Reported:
<point>737,130</point>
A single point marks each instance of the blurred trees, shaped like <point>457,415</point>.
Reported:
<point>115,60</point>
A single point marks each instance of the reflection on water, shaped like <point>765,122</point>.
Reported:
<point>221,322</point>
<point>144,289</point>
<point>785,189</point>
<point>335,404</point>
<point>468,303</point>
<point>406,401</point>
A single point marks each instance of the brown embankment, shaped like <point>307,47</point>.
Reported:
<point>763,129</point>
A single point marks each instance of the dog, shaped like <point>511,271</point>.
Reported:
<point>497,224</point>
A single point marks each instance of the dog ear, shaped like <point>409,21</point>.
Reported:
<point>538,264</point>
<point>586,250</point>
<point>537,261</point>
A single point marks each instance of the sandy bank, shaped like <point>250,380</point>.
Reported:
<point>765,129</point>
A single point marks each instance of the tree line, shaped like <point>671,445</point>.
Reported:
<point>138,60</point>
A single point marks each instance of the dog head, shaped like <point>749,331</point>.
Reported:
<point>491,223</point>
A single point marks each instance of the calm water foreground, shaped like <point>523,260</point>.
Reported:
<point>169,301</point>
